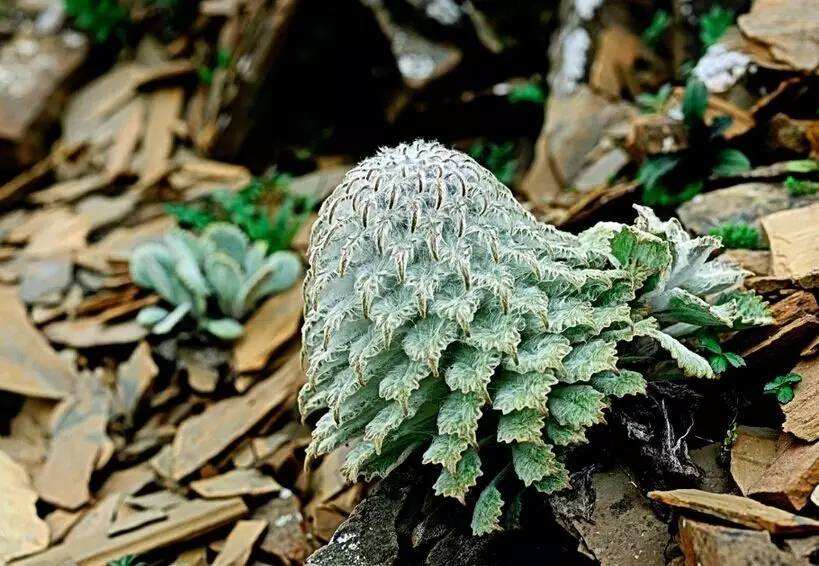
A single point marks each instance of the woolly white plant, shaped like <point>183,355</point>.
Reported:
<point>441,316</point>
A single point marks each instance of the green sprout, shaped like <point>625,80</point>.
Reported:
<point>527,92</point>
<point>800,187</point>
<point>657,28</point>
<point>714,24</point>
<point>782,387</point>
<point>737,235</point>
<point>101,19</point>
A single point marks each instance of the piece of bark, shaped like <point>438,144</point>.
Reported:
<point>236,482</point>
<point>28,364</point>
<point>205,436</point>
<point>737,510</point>
<point>273,324</point>
<point>751,453</point>
<point>164,108</point>
<point>240,543</point>
<point>791,477</point>
<point>183,523</point>
<point>790,38</point>
<point>135,376</point>
<point>22,532</point>
<point>286,536</point>
<point>794,239</point>
<point>91,332</point>
<point>802,413</point>
<point>714,545</point>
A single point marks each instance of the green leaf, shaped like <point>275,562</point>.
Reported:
<point>731,162</point>
<point>402,380</point>
<point>556,481</point>
<point>174,317</point>
<point>655,168</point>
<point>228,239</point>
<point>466,475</point>
<point>527,92</point>
<point>445,450</point>
<point>540,354</point>
<point>459,415</point>
<point>694,103</point>
<point>657,28</point>
<point>620,383</point>
<point>799,187</point>
<point>692,364</point>
<point>718,363</point>
<point>471,371</point>
<point>654,102</point>
<point>521,426</point>
<point>488,510</point>
<point>714,24</point>
<point>785,395</point>
<point>517,391</point>
<point>576,406</point>
<point>735,360</point>
<point>225,276</point>
<point>588,359</point>
<point>563,436</point>
<point>224,328</point>
<point>802,166</point>
<point>149,316</point>
<point>533,462</point>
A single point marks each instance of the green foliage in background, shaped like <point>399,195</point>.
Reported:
<point>127,560</point>
<point>654,103</point>
<point>782,387</point>
<point>249,209</point>
<point>801,187</point>
<point>714,24</point>
<point>655,31</point>
<point>719,359</point>
<point>738,236</point>
<point>500,158</point>
<point>527,92</point>
<point>669,180</point>
<point>101,19</point>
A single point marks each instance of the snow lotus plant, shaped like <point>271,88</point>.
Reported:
<point>220,267</point>
<point>440,316</point>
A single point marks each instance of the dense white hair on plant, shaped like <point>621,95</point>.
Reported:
<point>440,316</point>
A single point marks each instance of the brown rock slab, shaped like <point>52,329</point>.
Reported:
<point>28,363</point>
<point>757,262</point>
<point>273,324</point>
<point>22,532</point>
<point>159,500</point>
<point>623,531</point>
<point>791,477</point>
<point>738,510</point>
<point>128,521</point>
<point>795,324</point>
<point>135,376</point>
<point>802,413</point>
<point>794,239</point>
<point>45,278</point>
<point>240,543</point>
<point>752,452</point>
<point>186,522</point>
<point>236,482</point>
<point>90,332</point>
<point>713,545</point>
<point>286,536</point>
<point>791,39</point>
<point>205,436</point>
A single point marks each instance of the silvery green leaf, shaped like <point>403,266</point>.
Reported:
<point>748,309</point>
<point>587,359</point>
<point>151,267</point>
<point>555,481</point>
<point>286,270</point>
<point>224,328</point>
<point>255,256</point>
<point>471,370</point>
<point>428,338</point>
<point>563,435</point>
<point>225,276</point>
<point>495,331</point>
<point>445,450</point>
<point>521,426</point>
<point>176,315</point>
<point>149,316</point>
<point>533,462</point>
<point>184,245</point>
<point>576,406</point>
<point>401,381</point>
<point>692,364</point>
<point>488,510</point>
<point>619,383</point>
<point>466,474</point>
<point>516,391</point>
<point>228,239</point>
<point>540,353</point>
<point>459,415</point>
<point>191,276</point>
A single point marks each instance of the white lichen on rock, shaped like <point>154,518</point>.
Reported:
<point>720,68</point>
<point>441,316</point>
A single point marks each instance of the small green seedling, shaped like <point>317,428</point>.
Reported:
<point>782,387</point>
<point>801,187</point>
<point>737,235</point>
<point>718,358</point>
<point>714,24</point>
<point>655,31</point>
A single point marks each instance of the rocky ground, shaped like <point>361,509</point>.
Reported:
<point>119,445</point>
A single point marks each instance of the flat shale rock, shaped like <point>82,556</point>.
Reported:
<point>712,545</point>
<point>757,262</point>
<point>802,413</point>
<point>737,510</point>
<point>751,453</point>
<point>792,475</point>
<point>45,278</point>
<point>623,530</point>
<point>747,202</point>
<point>794,238</point>
<point>22,532</point>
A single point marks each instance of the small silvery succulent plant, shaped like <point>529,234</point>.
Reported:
<point>221,267</point>
<point>440,316</point>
